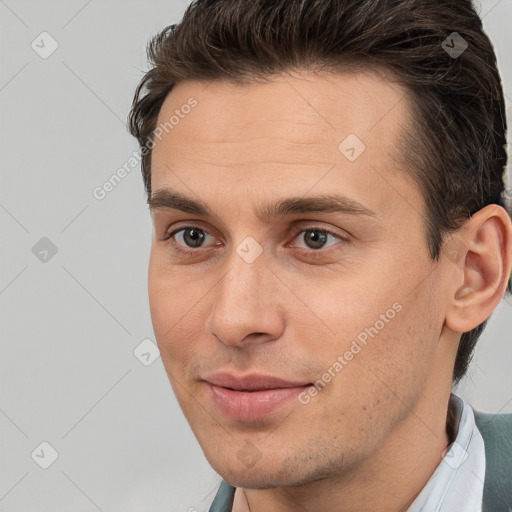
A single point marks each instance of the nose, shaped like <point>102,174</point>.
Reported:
<point>247,307</point>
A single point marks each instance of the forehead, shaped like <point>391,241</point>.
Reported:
<point>355,100</point>
<point>289,129</point>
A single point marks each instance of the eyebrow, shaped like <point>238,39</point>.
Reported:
<point>165,198</point>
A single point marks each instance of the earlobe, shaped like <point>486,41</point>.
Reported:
<point>483,250</point>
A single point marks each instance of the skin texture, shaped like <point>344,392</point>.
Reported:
<point>373,436</point>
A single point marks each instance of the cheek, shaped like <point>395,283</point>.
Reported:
<point>379,381</point>
<point>382,335</point>
<point>347,312</point>
<point>175,321</point>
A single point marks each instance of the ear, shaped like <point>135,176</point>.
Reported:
<point>482,251</point>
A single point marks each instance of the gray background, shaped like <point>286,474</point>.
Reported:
<point>70,321</point>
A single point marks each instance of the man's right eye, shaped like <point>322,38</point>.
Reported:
<point>190,237</point>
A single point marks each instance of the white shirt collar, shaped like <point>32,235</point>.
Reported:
<point>458,481</point>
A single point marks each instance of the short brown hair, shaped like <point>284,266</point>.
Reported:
<point>456,150</point>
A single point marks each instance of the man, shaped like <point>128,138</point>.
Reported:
<point>325,179</point>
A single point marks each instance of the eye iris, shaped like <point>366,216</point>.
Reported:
<point>317,240</point>
<point>195,238</point>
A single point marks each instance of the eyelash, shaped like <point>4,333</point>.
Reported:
<point>178,248</point>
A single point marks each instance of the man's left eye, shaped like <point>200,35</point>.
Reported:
<point>316,238</point>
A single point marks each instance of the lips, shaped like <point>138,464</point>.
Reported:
<point>252,382</point>
<point>253,396</point>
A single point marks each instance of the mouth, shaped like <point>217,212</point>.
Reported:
<point>253,396</point>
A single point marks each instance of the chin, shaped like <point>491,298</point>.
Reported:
<point>261,476</point>
<point>254,479</point>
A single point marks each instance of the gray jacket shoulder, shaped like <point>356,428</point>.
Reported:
<point>496,430</point>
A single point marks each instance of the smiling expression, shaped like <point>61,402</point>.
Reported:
<point>285,225</point>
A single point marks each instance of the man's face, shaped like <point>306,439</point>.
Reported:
<point>346,299</point>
